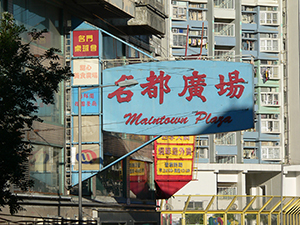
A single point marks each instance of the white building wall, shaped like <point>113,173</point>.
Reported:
<point>204,184</point>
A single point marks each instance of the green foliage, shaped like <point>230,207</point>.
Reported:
<point>194,218</point>
<point>23,77</point>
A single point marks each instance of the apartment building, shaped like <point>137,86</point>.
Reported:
<point>264,33</point>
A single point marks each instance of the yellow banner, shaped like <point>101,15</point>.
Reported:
<point>174,167</point>
<point>176,140</point>
<point>136,168</point>
<point>174,151</point>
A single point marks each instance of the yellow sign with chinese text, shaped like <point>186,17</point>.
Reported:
<point>176,140</point>
<point>174,151</point>
<point>136,168</point>
<point>174,167</point>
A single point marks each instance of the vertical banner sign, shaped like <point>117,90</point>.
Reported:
<point>138,176</point>
<point>86,43</point>
<point>86,71</point>
<point>173,163</point>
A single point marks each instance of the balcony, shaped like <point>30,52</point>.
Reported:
<point>270,99</point>
<point>224,9</point>
<point>146,17</point>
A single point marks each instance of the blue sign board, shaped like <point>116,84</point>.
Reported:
<point>179,98</point>
<point>89,101</point>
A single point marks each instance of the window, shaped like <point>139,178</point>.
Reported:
<point>197,5</point>
<point>268,45</point>
<point>224,55</point>
<point>179,12</point>
<point>197,32</point>
<point>201,153</point>
<point>224,29</point>
<point>269,18</point>
<point>197,15</point>
<point>250,153</point>
<point>269,99</point>
<point>270,153</point>
<point>225,138</point>
<point>179,37</point>
<point>196,42</point>
<point>270,116</point>
<point>248,18</point>
<point>226,189</point>
<point>225,4</point>
<point>248,8</point>
<point>248,45</point>
<point>195,205</point>
<point>271,72</point>
<point>270,126</point>
<point>226,158</point>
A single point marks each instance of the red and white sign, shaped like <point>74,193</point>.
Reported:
<point>86,43</point>
<point>86,71</point>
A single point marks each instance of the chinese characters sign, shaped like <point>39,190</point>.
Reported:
<point>174,157</point>
<point>86,71</point>
<point>173,163</point>
<point>179,98</point>
<point>89,101</point>
<point>86,43</point>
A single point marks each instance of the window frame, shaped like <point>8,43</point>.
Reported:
<point>267,152</point>
<point>269,99</point>
<point>265,128</point>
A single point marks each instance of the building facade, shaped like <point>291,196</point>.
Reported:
<point>263,160</point>
<point>124,193</point>
<point>260,161</point>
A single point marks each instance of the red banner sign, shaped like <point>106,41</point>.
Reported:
<point>86,43</point>
<point>173,163</point>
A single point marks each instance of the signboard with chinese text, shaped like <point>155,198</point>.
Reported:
<point>138,177</point>
<point>86,71</point>
<point>173,162</point>
<point>179,98</point>
<point>89,101</point>
<point>86,43</point>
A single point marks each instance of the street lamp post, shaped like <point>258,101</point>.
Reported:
<point>126,83</point>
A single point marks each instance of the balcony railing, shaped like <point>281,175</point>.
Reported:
<point>224,29</point>
<point>227,4</point>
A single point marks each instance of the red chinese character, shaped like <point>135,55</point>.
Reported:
<point>120,91</point>
<point>235,90</point>
<point>88,103</point>
<point>195,85</point>
<point>85,95</point>
<point>82,67</point>
<point>151,89</point>
<point>94,103</point>
<point>91,95</point>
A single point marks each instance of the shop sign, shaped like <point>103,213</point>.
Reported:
<point>179,98</point>
<point>86,43</point>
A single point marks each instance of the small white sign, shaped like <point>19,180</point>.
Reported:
<point>86,71</point>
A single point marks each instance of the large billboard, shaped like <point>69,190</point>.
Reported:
<point>179,98</point>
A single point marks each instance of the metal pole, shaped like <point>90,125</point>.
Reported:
<point>79,158</point>
<point>281,194</point>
